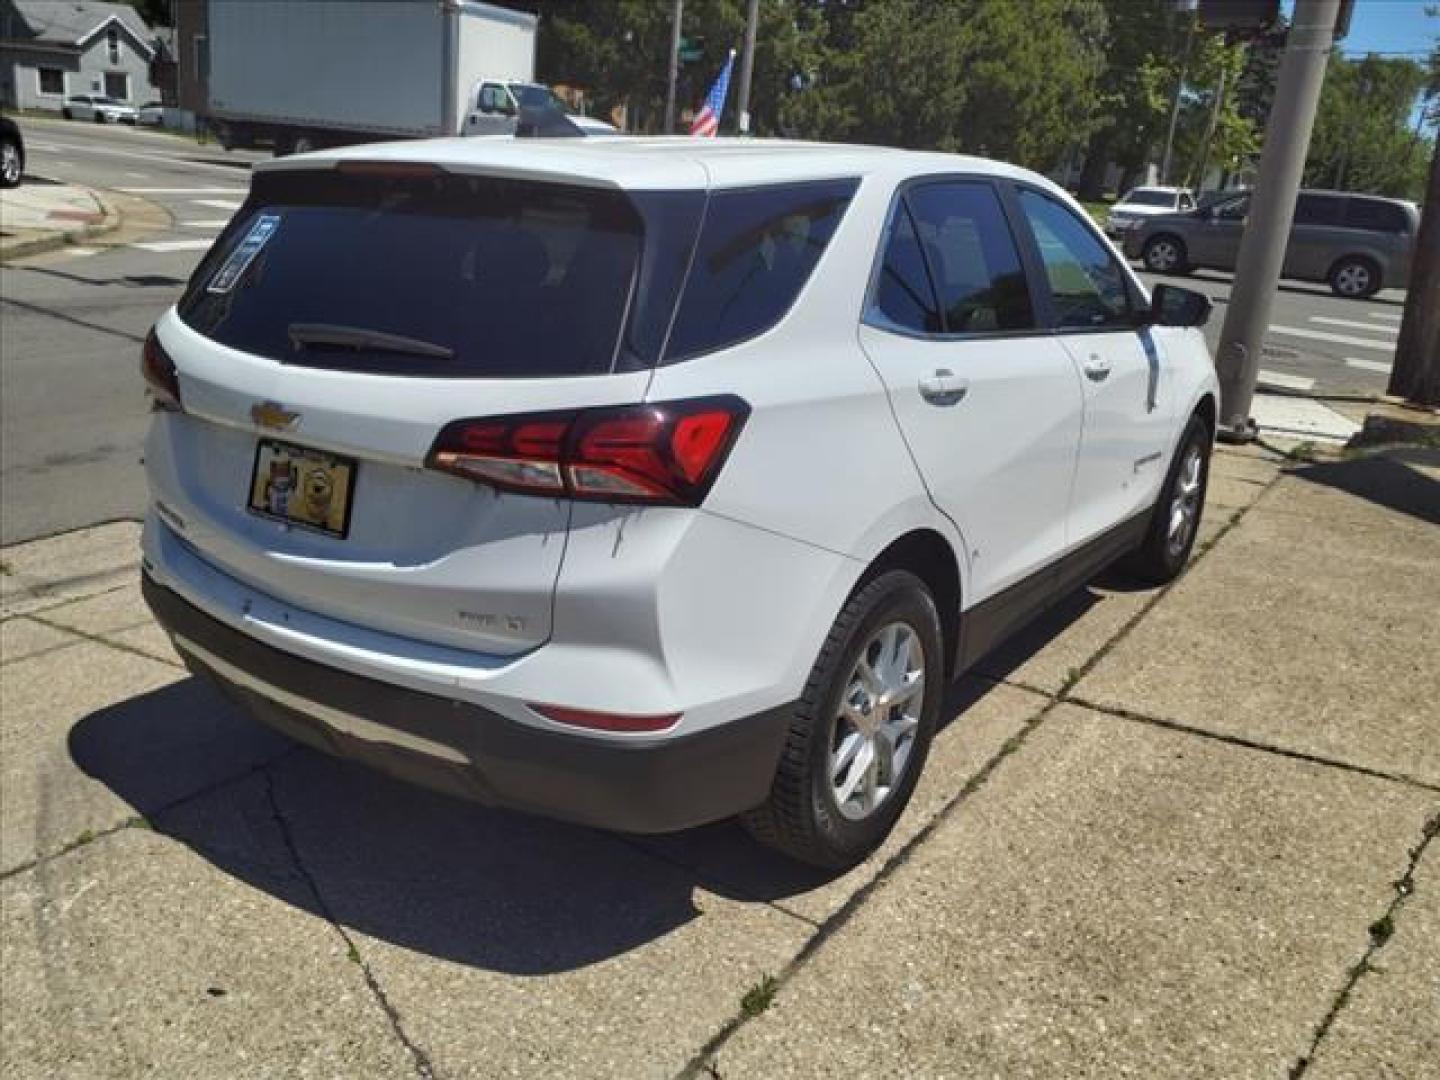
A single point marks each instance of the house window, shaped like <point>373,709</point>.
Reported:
<point>112,40</point>
<point>117,85</point>
<point>52,81</point>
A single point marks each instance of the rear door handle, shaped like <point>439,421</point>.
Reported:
<point>944,388</point>
<point>1097,368</point>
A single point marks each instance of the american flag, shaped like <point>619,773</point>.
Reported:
<point>706,124</point>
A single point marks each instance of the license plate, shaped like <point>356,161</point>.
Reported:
<point>302,486</point>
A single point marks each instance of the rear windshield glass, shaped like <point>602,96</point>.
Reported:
<point>436,275</point>
<point>756,251</point>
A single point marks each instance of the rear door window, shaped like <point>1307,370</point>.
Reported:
<point>1376,216</point>
<point>484,277</point>
<point>972,257</point>
<point>756,251</point>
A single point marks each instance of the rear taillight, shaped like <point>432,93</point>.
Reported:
<point>666,453</point>
<point>161,378</point>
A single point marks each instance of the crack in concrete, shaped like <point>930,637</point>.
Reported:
<point>1254,744</point>
<point>139,821</point>
<point>100,639</point>
<point>423,1066</point>
<point>1404,889</point>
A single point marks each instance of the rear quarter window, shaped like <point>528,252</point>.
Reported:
<point>1376,216</point>
<point>757,249</point>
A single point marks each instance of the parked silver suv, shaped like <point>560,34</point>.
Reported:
<point>1358,243</point>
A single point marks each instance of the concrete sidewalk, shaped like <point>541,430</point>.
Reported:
<point>1185,832</point>
<point>42,215</point>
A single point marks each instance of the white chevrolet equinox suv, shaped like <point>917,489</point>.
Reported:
<point>643,483</point>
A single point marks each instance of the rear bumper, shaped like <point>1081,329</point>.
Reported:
<point>639,785</point>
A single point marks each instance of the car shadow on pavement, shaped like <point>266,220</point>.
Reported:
<point>478,886</point>
<point>1388,481</point>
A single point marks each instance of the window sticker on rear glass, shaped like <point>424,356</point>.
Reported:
<point>244,254</point>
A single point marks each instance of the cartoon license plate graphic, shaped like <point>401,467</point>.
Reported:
<point>302,486</point>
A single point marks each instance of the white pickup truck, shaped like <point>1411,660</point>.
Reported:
<point>302,76</point>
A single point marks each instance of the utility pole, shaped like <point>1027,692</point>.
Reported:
<point>674,67</point>
<point>1218,104</point>
<point>1272,210</point>
<point>1175,106</point>
<point>747,65</point>
<point>1416,374</point>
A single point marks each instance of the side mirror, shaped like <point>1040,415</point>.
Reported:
<point>1170,305</point>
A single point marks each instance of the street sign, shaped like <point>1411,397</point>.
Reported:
<point>691,49</point>
<point>1238,14</point>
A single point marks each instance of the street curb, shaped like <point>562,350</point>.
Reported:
<point>61,238</point>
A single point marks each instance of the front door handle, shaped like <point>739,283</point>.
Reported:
<point>944,388</point>
<point>1097,368</point>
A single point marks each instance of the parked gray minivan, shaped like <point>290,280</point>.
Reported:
<point>1358,243</point>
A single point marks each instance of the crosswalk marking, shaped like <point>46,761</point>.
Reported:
<point>1355,324</point>
<point>1368,365</point>
<point>80,251</point>
<point>1338,339</point>
<point>1387,316</point>
<point>183,191</point>
<point>218,204</point>
<point>164,246</point>
<point>1285,382</point>
<point>217,223</point>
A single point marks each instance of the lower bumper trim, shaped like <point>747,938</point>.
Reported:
<point>646,785</point>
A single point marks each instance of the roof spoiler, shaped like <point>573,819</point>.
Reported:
<point>546,122</point>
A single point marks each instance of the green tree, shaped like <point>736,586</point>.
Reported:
<point>981,76</point>
<point>1144,47</point>
<point>1363,139</point>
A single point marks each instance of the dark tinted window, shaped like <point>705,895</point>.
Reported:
<point>1376,215</point>
<point>512,278</point>
<point>1318,210</point>
<point>972,256</point>
<point>756,251</point>
<point>1086,282</point>
<point>904,296</point>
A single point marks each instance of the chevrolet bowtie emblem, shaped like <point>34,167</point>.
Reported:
<point>273,415</point>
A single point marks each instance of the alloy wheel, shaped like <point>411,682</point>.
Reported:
<point>1162,256</point>
<point>1352,279</point>
<point>875,725</point>
<point>1185,502</point>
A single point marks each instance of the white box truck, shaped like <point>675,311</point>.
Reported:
<point>298,75</point>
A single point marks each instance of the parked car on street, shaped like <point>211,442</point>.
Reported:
<point>1359,244</point>
<point>12,153</point>
<point>100,109</point>
<point>152,114</point>
<point>1144,202</point>
<point>646,483</point>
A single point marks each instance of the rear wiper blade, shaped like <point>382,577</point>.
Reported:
<point>356,337</point>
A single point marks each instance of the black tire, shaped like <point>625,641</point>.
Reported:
<point>67,114</point>
<point>12,163</point>
<point>1165,253</point>
<point>1160,558</point>
<point>1355,277</point>
<point>802,816</point>
<point>99,118</point>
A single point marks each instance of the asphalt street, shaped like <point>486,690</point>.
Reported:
<point>72,410</point>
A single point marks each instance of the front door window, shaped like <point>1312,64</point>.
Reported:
<point>117,85</point>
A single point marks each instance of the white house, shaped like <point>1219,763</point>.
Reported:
<point>50,49</point>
